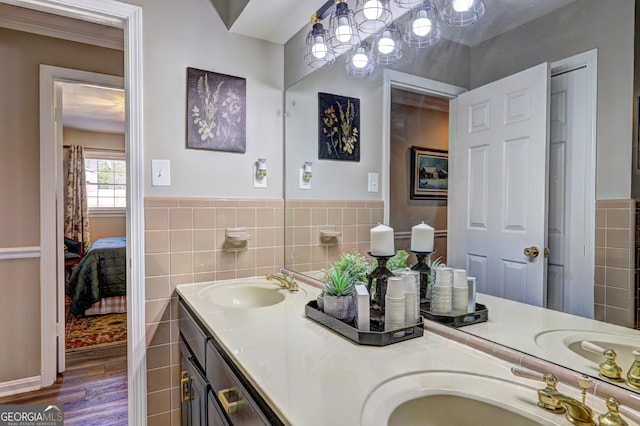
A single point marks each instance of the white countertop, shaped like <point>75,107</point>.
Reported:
<point>312,376</point>
<point>545,333</point>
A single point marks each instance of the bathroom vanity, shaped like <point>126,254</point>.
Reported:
<point>287,369</point>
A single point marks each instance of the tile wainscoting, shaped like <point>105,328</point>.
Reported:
<point>616,262</point>
<point>352,218</point>
<point>184,243</point>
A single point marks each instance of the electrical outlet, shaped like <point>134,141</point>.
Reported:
<point>258,183</point>
<point>373,182</point>
<point>304,184</point>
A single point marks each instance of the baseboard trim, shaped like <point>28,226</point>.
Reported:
<point>20,386</point>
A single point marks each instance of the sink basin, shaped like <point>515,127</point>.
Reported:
<point>247,294</point>
<point>444,398</point>
<point>565,345</point>
<point>454,410</point>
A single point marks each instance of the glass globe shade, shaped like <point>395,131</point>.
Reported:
<point>461,5</point>
<point>421,26</point>
<point>319,49</point>
<point>372,9</point>
<point>386,44</point>
<point>359,60</point>
<point>343,31</point>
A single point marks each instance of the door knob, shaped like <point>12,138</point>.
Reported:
<point>546,252</point>
<point>532,252</point>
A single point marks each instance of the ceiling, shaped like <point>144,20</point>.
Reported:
<point>263,18</point>
<point>102,109</point>
<point>93,108</point>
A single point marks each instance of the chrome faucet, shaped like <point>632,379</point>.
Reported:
<point>285,280</point>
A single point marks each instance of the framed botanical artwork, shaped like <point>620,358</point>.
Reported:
<point>429,174</point>
<point>216,111</point>
<point>338,127</point>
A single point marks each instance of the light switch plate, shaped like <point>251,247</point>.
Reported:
<point>373,182</point>
<point>160,173</point>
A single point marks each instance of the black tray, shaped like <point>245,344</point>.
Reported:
<point>369,338</point>
<point>456,320</point>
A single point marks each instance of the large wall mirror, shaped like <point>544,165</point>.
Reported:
<point>407,105</point>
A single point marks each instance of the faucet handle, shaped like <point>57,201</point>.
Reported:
<point>633,375</point>
<point>549,379</point>
<point>608,369</point>
<point>612,417</point>
<point>519,371</point>
<point>547,396</point>
<point>592,347</point>
<point>585,383</point>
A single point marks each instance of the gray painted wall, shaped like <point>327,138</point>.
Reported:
<point>579,27</point>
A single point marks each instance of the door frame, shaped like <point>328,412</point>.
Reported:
<point>412,83</point>
<point>129,18</point>
<point>589,60</point>
<point>51,106</point>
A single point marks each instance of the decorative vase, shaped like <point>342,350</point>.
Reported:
<point>320,301</point>
<point>340,307</point>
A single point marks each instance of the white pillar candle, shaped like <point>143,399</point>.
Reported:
<point>382,241</point>
<point>422,238</point>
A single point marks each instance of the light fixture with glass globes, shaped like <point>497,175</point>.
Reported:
<point>462,13</point>
<point>422,27</point>
<point>318,52</point>
<point>387,46</point>
<point>343,32</point>
<point>372,15</point>
<point>359,63</point>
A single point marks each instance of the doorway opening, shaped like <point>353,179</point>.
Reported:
<point>418,120</point>
<point>93,123</point>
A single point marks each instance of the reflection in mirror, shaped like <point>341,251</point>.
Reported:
<point>422,121</point>
<point>340,193</point>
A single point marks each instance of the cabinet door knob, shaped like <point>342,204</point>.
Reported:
<point>232,400</point>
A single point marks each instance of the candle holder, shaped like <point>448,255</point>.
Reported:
<point>378,282</point>
<point>425,272</point>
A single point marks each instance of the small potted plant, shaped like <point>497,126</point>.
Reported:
<point>338,290</point>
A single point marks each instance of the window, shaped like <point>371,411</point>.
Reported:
<point>106,177</point>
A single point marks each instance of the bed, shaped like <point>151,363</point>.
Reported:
<point>98,283</point>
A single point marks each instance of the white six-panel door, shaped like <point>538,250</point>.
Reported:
<point>498,180</point>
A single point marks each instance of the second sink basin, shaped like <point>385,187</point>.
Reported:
<point>246,294</point>
<point>565,345</point>
<point>443,398</point>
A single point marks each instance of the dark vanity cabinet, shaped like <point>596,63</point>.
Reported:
<point>213,391</point>
<point>193,390</point>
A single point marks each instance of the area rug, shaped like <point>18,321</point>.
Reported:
<point>95,331</point>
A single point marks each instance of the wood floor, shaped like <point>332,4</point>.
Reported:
<point>92,390</point>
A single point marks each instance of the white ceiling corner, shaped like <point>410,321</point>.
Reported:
<point>274,20</point>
